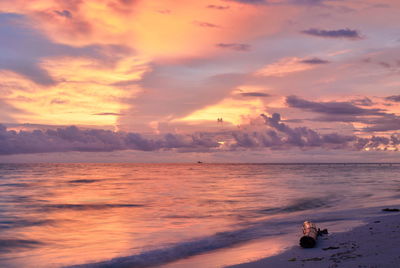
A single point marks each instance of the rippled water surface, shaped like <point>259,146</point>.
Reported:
<point>54,215</point>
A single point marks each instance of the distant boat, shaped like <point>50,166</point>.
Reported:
<point>199,162</point>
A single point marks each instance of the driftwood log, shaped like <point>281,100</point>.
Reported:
<point>310,233</point>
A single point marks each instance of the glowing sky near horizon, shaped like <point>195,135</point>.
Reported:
<point>173,66</point>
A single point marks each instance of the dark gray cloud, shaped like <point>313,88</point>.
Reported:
<point>23,47</point>
<point>128,2</point>
<point>250,2</point>
<point>234,46</point>
<point>340,33</point>
<point>125,83</point>
<point>218,7</point>
<point>30,70</point>
<point>281,136</point>
<point>93,140</point>
<point>307,2</point>
<point>64,13</point>
<point>320,3</point>
<point>293,120</point>
<point>331,108</point>
<point>388,122</point>
<point>299,137</point>
<point>205,24</point>
<point>385,64</point>
<point>377,119</point>
<point>277,136</point>
<point>304,137</point>
<point>382,123</point>
<point>388,63</point>
<point>255,94</point>
<point>363,102</point>
<point>395,98</point>
<point>282,2</point>
<point>314,61</point>
<point>108,114</point>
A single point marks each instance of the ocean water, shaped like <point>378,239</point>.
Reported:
<point>175,215</point>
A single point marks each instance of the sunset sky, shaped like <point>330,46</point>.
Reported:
<point>146,81</point>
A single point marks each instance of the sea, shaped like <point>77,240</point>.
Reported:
<point>178,215</point>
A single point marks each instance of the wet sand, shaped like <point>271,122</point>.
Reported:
<point>374,245</point>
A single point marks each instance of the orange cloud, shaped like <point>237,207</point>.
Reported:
<point>156,31</point>
<point>141,25</point>
<point>233,109</point>
<point>84,95</point>
<point>284,67</point>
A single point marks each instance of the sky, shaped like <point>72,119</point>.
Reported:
<point>147,81</point>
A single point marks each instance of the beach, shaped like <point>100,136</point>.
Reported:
<point>375,244</point>
<point>191,215</point>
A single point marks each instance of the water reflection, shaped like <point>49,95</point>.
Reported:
<point>53,215</point>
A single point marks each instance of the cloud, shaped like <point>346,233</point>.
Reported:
<point>94,140</point>
<point>64,13</point>
<point>117,114</point>
<point>307,2</point>
<point>376,119</point>
<point>385,60</point>
<point>304,137</point>
<point>394,98</point>
<point>250,2</point>
<point>58,101</point>
<point>277,136</point>
<point>299,137</point>
<point>363,102</point>
<point>205,24</point>
<point>281,136</point>
<point>6,110</point>
<point>387,122</point>
<point>330,108</point>
<point>173,92</point>
<point>218,7</point>
<point>385,64</point>
<point>281,2</point>
<point>341,33</point>
<point>314,61</point>
<point>23,48</point>
<point>30,70</point>
<point>255,94</point>
<point>287,66</point>
<point>234,46</point>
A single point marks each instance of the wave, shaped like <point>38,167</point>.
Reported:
<point>217,241</point>
<point>15,185</point>
<point>300,205</point>
<point>83,181</point>
<point>9,244</point>
<point>12,222</point>
<point>89,206</point>
<point>186,249</point>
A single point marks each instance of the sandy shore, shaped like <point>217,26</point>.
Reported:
<point>376,244</point>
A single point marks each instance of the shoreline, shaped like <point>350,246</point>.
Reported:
<point>375,244</point>
<point>283,250</point>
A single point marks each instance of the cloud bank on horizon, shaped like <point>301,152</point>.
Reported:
<point>275,135</point>
<point>156,75</point>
